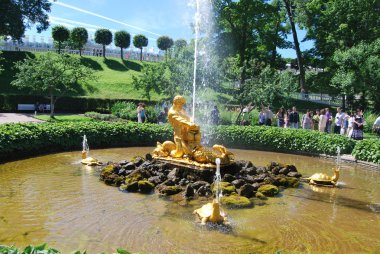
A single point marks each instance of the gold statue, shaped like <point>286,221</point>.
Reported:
<point>89,161</point>
<point>324,179</point>
<point>211,212</point>
<point>187,147</point>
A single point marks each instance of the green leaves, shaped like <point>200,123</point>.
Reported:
<point>367,150</point>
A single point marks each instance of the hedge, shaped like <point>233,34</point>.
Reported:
<point>367,150</point>
<point>28,139</point>
<point>8,103</point>
<point>280,139</point>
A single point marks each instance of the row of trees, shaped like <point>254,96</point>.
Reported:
<point>77,39</point>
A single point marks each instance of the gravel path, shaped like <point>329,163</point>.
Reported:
<point>17,118</point>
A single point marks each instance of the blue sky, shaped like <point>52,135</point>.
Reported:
<point>149,17</point>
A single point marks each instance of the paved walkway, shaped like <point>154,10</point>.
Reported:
<point>17,118</point>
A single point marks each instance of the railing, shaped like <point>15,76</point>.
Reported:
<point>127,54</point>
<point>320,98</point>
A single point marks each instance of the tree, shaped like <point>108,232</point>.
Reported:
<point>60,34</point>
<point>358,71</point>
<point>51,74</point>
<point>16,16</point>
<point>104,37</point>
<point>122,40</point>
<point>289,6</point>
<point>164,43</point>
<point>140,41</point>
<point>180,44</point>
<point>78,38</point>
<point>153,78</point>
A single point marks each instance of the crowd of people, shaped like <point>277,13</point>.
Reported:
<point>350,124</point>
<point>344,123</point>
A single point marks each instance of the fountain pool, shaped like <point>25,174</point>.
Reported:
<point>55,199</point>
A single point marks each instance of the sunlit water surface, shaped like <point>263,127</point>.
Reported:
<point>54,199</point>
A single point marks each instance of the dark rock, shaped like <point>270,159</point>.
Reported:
<point>174,173</point>
<point>241,164</point>
<point>169,182</point>
<point>228,178</point>
<point>145,186</point>
<point>260,178</point>
<point>130,166</point>
<point>156,180</point>
<point>204,190</point>
<point>261,170</point>
<point>189,191</point>
<point>284,171</point>
<point>246,190</point>
<point>256,186</point>
<point>291,168</point>
<point>138,161</point>
<point>131,187</point>
<point>248,171</point>
<point>169,190</point>
<point>294,174</point>
<point>148,157</point>
<point>276,170</point>
<point>199,184</point>
<point>268,180</point>
<point>183,182</point>
<point>146,165</point>
<point>123,162</point>
<point>238,183</point>
<point>248,179</point>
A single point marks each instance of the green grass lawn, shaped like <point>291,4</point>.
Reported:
<point>114,76</point>
<point>65,118</point>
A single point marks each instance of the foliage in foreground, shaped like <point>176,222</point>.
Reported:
<point>44,249</point>
<point>367,150</point>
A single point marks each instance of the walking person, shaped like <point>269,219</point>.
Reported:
<point>268,116</point>
<point>262,117</point>
<point>215,115</point>
<point>338,120</point>
<point>280,117</point>
<point>346,117</point>
<point>329,120</point>
<point>376,127</point>
<point>350,127</point>
<point>358,125</point>
<point>141,114</point>
<point>322,121</point>
<point>294,118</point>
<point>307,121</point>
<point>316,119</point>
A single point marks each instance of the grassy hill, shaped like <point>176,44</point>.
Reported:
<point>114,76</point>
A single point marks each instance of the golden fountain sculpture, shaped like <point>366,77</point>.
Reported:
<point>211,212</point>
<point>187,148</point>
<point>323,179</point>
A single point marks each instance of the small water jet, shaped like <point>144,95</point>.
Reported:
<point>89,161</point>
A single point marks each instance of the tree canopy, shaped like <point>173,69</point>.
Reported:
<point>122,40</point>
<point>17,16</point>
<point>60,34</point>
<point>52,74</point>
<point>104,37</point>
<point>140,41</point>
<point>164,43</point>
<point>78,38</point>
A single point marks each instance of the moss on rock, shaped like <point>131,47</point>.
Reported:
<point>145,186</point>
<point>235,201</point>
<point>169,190</point>
<point>261,196</point>
<point>291,182</point>
<point>227,188</point>
<point>268,190</point>
<point>133,177</point>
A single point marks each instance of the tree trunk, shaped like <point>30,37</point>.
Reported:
<point>344,102</point>
<point>104,51</point>
<point>242,54</point>
<point>51,105</point>
<point>296,44</point>
<point>121,53</point>
<point>59,47</point>
<point>80,52</point>
<point>140,54</point>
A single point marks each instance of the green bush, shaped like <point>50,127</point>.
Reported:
<point>367,150</point>
<point>128,111</point>
<point>20,140</point>
<point>102,117</point>
<point>280,139</point>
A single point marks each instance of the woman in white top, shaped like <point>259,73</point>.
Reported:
<point>350,125</point>
<point>322,121</point>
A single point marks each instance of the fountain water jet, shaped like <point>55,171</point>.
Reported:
<point>89,161</point>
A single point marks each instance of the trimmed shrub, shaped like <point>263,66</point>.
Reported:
<point>102,117</point>
<point>367,150</point>
<point>279,139</point>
